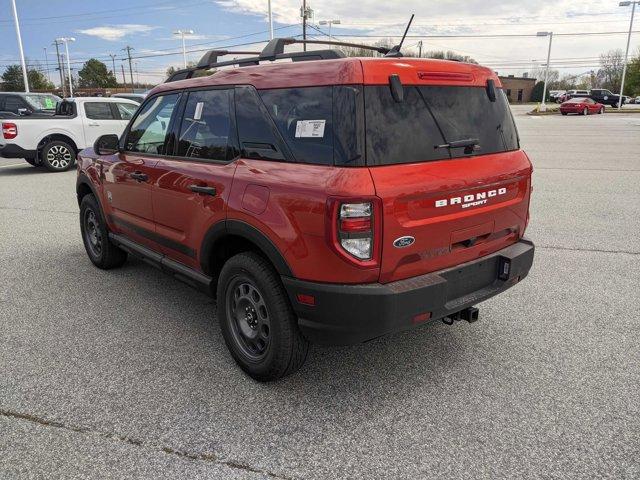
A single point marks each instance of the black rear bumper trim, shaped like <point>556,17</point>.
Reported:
<point>11,150</point>
<point>348,314</point>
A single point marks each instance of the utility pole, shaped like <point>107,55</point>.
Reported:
<point>113,61</point>
<point>56,43</point>
<point>420,49</point>
<point>304,24</point>
<point>22,62</point>
<point>66,41</point>
<point>46,64</point>
<point>626,53</point>
<point>128,49</point>
<point>124,79</point>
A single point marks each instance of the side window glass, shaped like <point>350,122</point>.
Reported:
<point>12,104</point>
<point>304,118</point>
<point>126,110</point>
<point>205,131</point>
<point>98,111</point>
<point>258,139</point>
<point>149,129</point>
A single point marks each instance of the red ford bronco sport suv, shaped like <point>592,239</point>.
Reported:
<point>324,199</point>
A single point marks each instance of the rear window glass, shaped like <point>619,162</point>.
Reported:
<point>417,129</point>
<point>98,111</point>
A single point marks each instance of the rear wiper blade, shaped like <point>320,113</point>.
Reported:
<point>472,143</point>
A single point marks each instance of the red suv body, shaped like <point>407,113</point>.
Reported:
<point>379,193</point>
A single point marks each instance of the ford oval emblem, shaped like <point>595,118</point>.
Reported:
<point>403,242</point>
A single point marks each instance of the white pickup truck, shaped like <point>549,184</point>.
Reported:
<point>54,141</point>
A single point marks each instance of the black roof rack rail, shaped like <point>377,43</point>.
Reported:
<point>274,50</point>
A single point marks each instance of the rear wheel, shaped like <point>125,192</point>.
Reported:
<point>256,319</point>
<point>95,236</point>
<point>563,113</point>
<point>58,156</point>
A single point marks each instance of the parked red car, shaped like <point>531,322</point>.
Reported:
<point>581,106</point>
<point>327,199</point>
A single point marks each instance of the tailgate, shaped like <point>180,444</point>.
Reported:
<point>456,210</point>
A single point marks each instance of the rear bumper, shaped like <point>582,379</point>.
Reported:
<point>348,314</point>
<point>11,150</point>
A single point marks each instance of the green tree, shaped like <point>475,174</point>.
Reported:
<point>536,93</point>
<point>94,74</point>
<point>13,81</point>
<point>632,80</point>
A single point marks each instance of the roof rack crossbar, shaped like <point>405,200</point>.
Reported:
<point>276,46</point>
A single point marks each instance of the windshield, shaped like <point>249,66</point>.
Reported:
<point>42,102</point>
<point>436,123</point>
<point>576,100</point>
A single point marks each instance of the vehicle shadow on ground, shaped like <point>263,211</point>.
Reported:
<point>21,170</point>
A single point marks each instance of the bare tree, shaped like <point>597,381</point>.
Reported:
<point>610,74</point>
<point>538,73</point>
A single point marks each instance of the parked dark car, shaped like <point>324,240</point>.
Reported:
<point>21,103</point>
<point>605,97</point>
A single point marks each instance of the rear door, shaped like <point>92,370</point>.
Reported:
<point>99,119</point>
<point>193,184</point>
<point>444,206</point>
<point>129,176</point>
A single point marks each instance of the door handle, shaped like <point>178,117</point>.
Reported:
<point>139,176</point>
<point>94,124</point>
<point>203,189</point>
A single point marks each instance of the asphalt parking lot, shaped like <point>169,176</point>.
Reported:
<point>124,374</point>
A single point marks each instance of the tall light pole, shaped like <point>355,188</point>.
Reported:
<point>182,33</point>
<point>626,53</point>
<point>329,22</point>
<point>113,62</point>
<point>270,20</point>
<point>543,106</point>
<point>22,62</point>
<point>57,45</point>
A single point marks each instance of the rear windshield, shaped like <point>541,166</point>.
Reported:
<point>419,128</point>
<point>43,102</point>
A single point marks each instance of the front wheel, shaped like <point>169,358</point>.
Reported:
<point>95,236</point>
<point>585,111</point>
<point>58,156</point>
<point>257,321</point>
<point>601,111</point>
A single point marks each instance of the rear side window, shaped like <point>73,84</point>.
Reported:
<point>206,129</point>
<point>304,118</point>
<point>412,130</point>
<point>98,111</point>
<point>149,129</point>
<point>126,110</point>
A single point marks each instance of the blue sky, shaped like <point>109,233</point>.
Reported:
<point>102,28</point>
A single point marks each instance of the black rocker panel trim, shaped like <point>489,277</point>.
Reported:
<point>156,237</point>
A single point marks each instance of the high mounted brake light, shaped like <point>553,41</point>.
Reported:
<point>9,130</point>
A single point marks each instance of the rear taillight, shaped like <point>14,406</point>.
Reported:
<point>9,130</point>
<point>355,227</point>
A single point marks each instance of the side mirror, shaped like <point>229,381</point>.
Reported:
<point>491,90</point>
<point>24,111</point>
<point>106,145</point>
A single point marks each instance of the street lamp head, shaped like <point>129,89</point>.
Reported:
<point>543,34</point>
<point>323,22</point>
<point>624,4</point>
<point>65,39</point>
<point>183,32</point>
<point>336,22</point>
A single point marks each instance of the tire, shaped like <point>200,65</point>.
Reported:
<point>95,236</point>
<point>58,156</point>
<point>601,111</point>
<point>563,113</point>
<point>257,321</point>
<point>585,111</point>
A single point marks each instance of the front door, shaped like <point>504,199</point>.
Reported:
<point>192,187</point>
<point>130,175</point>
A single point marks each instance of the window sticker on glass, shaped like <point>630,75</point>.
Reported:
<point>49,104</point>
<point>310,128</point>
<point>197,115</point>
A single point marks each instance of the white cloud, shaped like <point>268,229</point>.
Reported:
<point>116,32</point>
